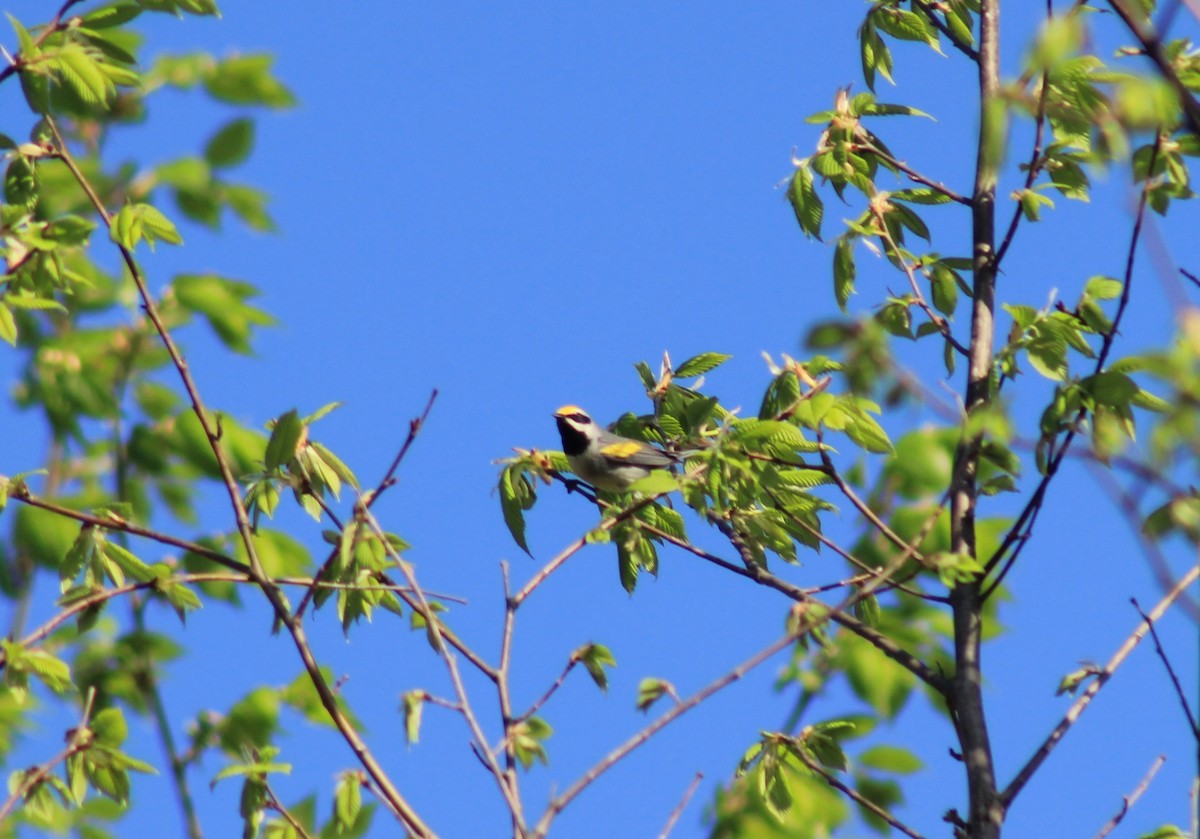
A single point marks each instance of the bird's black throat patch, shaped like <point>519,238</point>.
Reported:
<point>574,441</point>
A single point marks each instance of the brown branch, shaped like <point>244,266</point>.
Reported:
<point>856,796</point>
<point>1127,801</point>
<point>1080,705</point>
<point>679,808</point>
<point>765,578</point>
<point>1034,167</point>
<point>965,697</point>
<point>550,691</point>
<point>913,174</point>
<point>388,480</point>
<point>56,23</point>
<point>1153,47</point>
<point>1018,535</point>
<point>23,495</point>
<point>329,701</point>
<point>927,9</point>
<point>79,740</point>
<point>559,802</point>
<point>1162,654</point>
<point>436,635</point>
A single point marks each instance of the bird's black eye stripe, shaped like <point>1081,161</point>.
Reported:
<point>582,419</point>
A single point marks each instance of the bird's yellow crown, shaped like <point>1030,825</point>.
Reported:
<point>567,410</point>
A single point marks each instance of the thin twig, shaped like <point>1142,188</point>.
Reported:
<point>328,699</point>
<point>388,480</point>
<point>1035,166</point>
<point>1080,705</point>
<point>278,807</point>
<point>1162,654</point>
<point>912,174</point>
<point>927,9</point>
<point>116,524</point>
<point>1152,44</point>
<point>559,802</point>
<point>56,23</point>
<point>1127,801</point>
<point>679,808</point>
<point>79,740</point>
<point>856,796</point>
<point>1018,535</point>
<point>550,691</point>
<point>434,628</point>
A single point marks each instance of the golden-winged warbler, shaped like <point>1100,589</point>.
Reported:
<point>605,460</point>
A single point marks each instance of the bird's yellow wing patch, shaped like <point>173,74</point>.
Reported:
<point>626,448</point>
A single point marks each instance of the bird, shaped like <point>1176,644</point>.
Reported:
<point>606,460</point>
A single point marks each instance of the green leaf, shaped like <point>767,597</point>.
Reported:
<point>905,25</point>
<point>805,202</point>
<point>891,759</point>
<point>109,727</point>
<point>656,483</point>
<point>231,145</point>
<point>83,74</point>
<point>526,738</point>
<point>347,801</point>
<point>21,182</point>
<point>843,271</point>
<point>247,80</point>
<point>650,690</point>
<point>222,302</point>
<point>107,17</point>
<point>50,670</point>
<point>700,364</point>
<point>594,658</point>
<point>285,436</point>
<point>412,704</point>
<point>1103,288</point>
<point>8,325</point>
<point>517,495</point>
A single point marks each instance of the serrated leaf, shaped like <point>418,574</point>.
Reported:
<point>285,436</point>
<point>413,704</point>
<point>806,204</point>
<point>700,364</point>
<point>594,658</point>
<point>843,271</point>
<point>8,325</point>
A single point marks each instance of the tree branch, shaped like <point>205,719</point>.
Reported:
<point>397,803</point>
<point>1080,705</point>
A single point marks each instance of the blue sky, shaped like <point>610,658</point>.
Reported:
<point>513,203</point>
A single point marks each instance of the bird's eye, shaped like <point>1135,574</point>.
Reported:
<point>582,419</point>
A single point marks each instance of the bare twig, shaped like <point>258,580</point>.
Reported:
<point>550,691</point>
<point>1080,705</point>
<point>1162,654</point>
<point>116,524</point>
<point>559,802</point>
<point>1035,163</point>
<point>1128,801</point>
<point>856,796</point>
<point>679,808</point>
<point>436,634</point>
<point>278,807</point>
<point>912,174</point>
